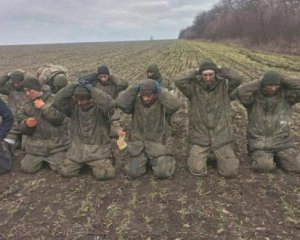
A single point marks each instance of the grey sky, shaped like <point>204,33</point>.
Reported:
<point>52,21</point>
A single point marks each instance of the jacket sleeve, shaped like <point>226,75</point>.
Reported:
<point>184,82</point>
<point>169,101</point>
<point>292,89</point>
<point>24,129</point>
<point>168,84</point>
<point>63,100</point>
<point>51,114</point>
<point>121,83</point>
<point>5,87</point>
<point>126,100</point>
<point>245,92</point>
<point>104,101</point>
<point>234,79</point>
<point>21,117</point>
<point>7,120</point>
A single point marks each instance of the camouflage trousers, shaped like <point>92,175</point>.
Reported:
<point>13,138</point>
<point>102,169</point>
<point>227,162</point>
<point>162,166</point>
<point>115,123</point>
<point>288,159</point>
<point>33,163</point>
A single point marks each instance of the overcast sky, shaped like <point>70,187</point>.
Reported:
<point>53,21</point>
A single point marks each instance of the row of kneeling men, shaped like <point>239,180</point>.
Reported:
<point>71,125</point>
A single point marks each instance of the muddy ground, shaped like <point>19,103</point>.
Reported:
<point>251,206</point>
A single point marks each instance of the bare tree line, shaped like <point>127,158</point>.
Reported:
<point>254,21</point>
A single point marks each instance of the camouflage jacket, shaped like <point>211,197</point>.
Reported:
<point>269,118</point>
<point>51,133</point>
<point>210,112</point>
<point>89,133</point>
<point>150,126</point>
<point>115,85</point>
<point>46,73</point>
<point>15,97</point>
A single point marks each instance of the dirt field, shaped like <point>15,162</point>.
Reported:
<point>251,206</point>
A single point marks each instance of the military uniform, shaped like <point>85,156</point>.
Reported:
<point>153,68</point>
<point>89,133</point>
<point>269,131</point>
<point>113,87</point>
<point>16,97</point>
<point>150,133</point>
<point>55,76</point>
<point>47,141</point>
<point>210,126</point>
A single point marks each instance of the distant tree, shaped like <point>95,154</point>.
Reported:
<point>257,21</point>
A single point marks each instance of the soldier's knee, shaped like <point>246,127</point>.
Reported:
<point>229,169</point>
<point>197,167</point>
<point>133,172</point>
<point>66,172</point>
<point>164,168</point>
<point>229,172</point>
<point>263,161</point>
<point>136,167</point>
<point>105,170</point>
<point>263,166</point>
<point>69,169</point>
<point>197,170</point>
<point>30,167</point>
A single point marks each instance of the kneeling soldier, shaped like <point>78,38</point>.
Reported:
<point>88,109</point>
<point>151,107</point>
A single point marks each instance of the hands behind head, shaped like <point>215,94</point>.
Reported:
<point>85,83</point>
<point>158,87</point>
<point>137,87</point>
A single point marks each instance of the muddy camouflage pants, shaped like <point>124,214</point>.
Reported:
<point>227,163</point>
<point>115,123</point>
<point>163,166</point>
<point>288,160</point>
<point>33,163</point>
<point>102,169</point>
<point>13,138</point>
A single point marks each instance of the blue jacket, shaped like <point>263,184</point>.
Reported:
<point>7,120</point>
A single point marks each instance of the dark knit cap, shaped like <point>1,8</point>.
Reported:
<point>147,86</point>
<point>17,75</point>
<point>32,83</point>
<point>208,64</point>
<point>102,70</point>
<point>81,91</point>
<point>271,78</point>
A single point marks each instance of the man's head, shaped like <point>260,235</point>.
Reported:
<point>82,97</point>
<point>148,91</point>
<point>59,81</point>
<point>103,74</point>
<point>208,71</point>
<point>32,87</point>
<point>17,76</point>
<point>152,71</point>
<point>271,83</point>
